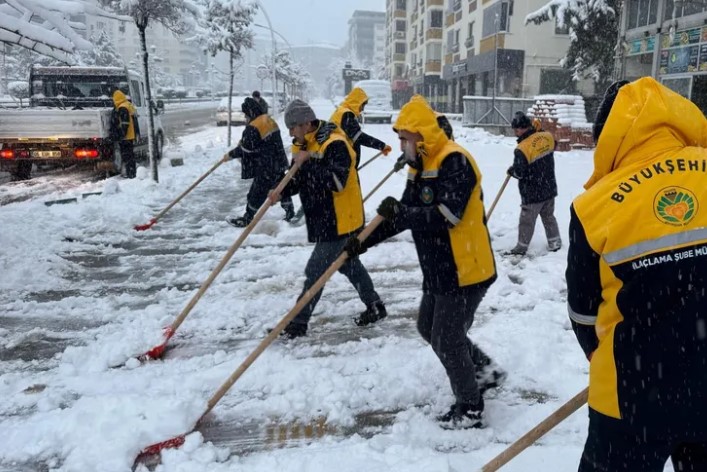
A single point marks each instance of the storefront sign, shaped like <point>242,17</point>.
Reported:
<point>459,67</point>
<point>642,46</point>
<point>682,38</point>
<point>679,60</point>
<point>703,57</point>
<point>356,74</point>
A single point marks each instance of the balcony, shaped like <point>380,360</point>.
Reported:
<point>448,59</point>
<point>433,33</point>
<point>455,47</point>
<point>400,35</point>
<point>435,3</point>
<point>413,44</point>
<point>469,42</point>
<point>488,44</point>
<point>433,66</point>
<point>399,14</point>
<point>449,19</point>
<point>399,57</point>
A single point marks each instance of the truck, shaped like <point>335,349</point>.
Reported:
<point>68,120</point>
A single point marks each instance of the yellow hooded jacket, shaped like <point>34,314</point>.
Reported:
<point>352,103</point>
<point>637,266</point>
<point>121,101</point>
<point>461,254</point>
<point>333,207</point>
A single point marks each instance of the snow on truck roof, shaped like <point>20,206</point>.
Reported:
<point>70,70</point>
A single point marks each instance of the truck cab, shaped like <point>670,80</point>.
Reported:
<point>68,120</point>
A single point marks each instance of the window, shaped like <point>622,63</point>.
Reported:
<point>436,19</point>
<point>422,27</point>
<point>561,29</point>
<point>470,31</point>
<point>400,5</point>
<point>496,18</point>
<point>136,94</point>
<point>679,8</point>
<point>399,48</point>
<point>643,13</point>
<point>399,25</point>
<point>456,36</point>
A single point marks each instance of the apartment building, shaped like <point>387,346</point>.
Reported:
<point>179,58</point>
<point>366,34</point>
<point>396,48</point>
<point>475,47</point>
<point>666,39</point>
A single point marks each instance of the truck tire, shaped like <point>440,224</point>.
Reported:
<point>23,171</point>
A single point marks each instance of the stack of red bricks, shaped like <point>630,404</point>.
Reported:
<point>564,117</point>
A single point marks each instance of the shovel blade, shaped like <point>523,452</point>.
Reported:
<point>158,351</point>
<point>146,226</point>
<point>160,446</point>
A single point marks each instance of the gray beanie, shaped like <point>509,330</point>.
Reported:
<point>298,113</point>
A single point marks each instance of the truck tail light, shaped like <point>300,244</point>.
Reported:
<point>86,153</point>
<point>7,153</point>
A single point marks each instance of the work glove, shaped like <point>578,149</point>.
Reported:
<point>389,208</point>
<point>354,247</point>
<point>511,173</point>
<point>386,150</point>
<point>400,163</point>
<point>324,132</point>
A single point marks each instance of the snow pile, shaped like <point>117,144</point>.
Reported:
<point>566,110</point>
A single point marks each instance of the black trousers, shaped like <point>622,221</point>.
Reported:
<point>613,447</point>
<point>127,154</point>
<point>258,192</point>
<point>443,322</point>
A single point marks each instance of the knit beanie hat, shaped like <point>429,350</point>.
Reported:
<point>298,113</point>
<point>603,112</point>
<point>521,120</point>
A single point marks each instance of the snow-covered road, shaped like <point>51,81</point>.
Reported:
<point>82,292</point>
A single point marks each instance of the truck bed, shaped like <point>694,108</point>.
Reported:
<point>54,123</point>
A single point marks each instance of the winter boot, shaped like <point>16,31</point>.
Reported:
<point>289,212</point>
<point>241,221</point>
<point>554,245</point>
<point>294,330</point>
<point>463,416</point>
<point>516,251</point>
<point>374,312</point>
<point>490,376</point>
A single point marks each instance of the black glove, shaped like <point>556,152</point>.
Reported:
<point>400,163</point>
<point>354,247</point>
<point>389,208</point>
<point>511,173</point>
<point>324,132</point>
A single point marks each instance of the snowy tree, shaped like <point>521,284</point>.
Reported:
<point>45,26</point>
<point>295,79</point>
<point>18,89</point>
<point>102,54</point>
<point>176,16</point>
<point>224,26</point>
<point>593,28</point>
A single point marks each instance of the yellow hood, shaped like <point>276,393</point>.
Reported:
<point>355,100</point>
<point>416,116</point>
<point>646,121</point>
<point>119,98</point>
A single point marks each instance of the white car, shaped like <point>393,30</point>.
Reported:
<point>380,100</point>
<point>237,116</point>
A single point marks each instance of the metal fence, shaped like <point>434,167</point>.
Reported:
<point>487,112</point>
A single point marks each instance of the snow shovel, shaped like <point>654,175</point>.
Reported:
<point>561,414</point>
<point>378,185</point>
<point>169,207</point>
<point>158,350</point>
<point>498,196</point>
<point>272,335</point>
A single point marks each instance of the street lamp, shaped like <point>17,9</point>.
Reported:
<point>274,51</point>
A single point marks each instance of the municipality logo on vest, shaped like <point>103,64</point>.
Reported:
<point>675,206</point>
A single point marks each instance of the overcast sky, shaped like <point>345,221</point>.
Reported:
<point>306,21</point>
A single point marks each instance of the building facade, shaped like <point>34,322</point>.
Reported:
<point>396,48</point>
<point>366,35</point>
<point>666,39</point>
<point>455,48</point>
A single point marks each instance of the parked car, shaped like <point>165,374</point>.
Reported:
<point>237,116</point>
<point>380,100</point>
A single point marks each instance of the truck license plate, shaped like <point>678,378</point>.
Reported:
<point>46,154</point>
